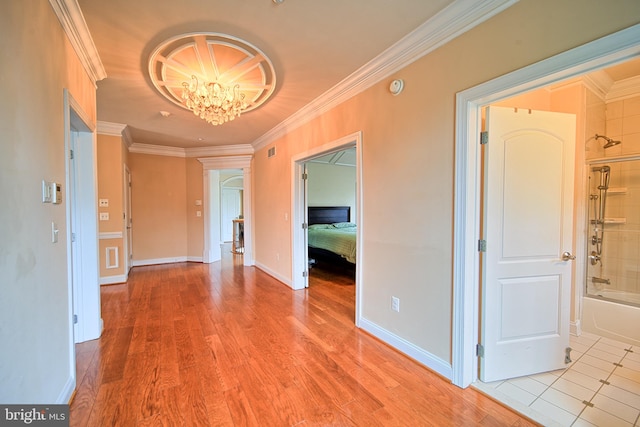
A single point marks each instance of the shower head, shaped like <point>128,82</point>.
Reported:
<point>610,142</point>
<point>604,168</point>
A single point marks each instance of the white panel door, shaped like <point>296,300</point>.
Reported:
<point>528,221</point>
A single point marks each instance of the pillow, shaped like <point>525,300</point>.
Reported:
<point>343,224</point>
<point>319,226</point>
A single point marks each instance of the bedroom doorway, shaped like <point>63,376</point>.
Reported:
<point>351,145</point>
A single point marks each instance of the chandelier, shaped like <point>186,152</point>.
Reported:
<point>216,76</point>
<point>213,101</point>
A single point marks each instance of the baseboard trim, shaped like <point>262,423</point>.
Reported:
<point>154,261</point>
<point>67,392</point>
<point>275,275</point>
<point>575,328</point>
<point>112,280</point>
<point>420,355</point>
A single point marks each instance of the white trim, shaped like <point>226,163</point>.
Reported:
<point>110,235</point>
<point>424,357</point>
<point>273,274</point>
<point>624,89</point>
<point>111,129</point>
<point>112,280</point>
<point>455,19</point>
<point>75,27</point>
<point>606,51</point>
<point>230,162</point>
<point>299,257</point>
<point>165,150</point>
<point>194,259</point>
<point>111,252</point>
<point>65,395</point>
<point>575,328</point>
<point>157,150</point>
<point>156,261</point>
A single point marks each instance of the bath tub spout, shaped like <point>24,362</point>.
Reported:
<point>600,280</point>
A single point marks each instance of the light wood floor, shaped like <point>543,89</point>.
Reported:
<point>222,344</point>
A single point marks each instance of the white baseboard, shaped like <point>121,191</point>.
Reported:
<point>272,273</point>
<point>112,280</point>
<point>575,328</point>
<point>143,262</point>
<point>424,357</point>
<point>194,259</point>
<point>67,392</point>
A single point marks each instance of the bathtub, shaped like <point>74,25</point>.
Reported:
<point>611,319</point>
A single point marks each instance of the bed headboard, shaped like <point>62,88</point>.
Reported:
<point>328,214</point>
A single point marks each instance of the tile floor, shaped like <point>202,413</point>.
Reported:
<point>601,387</point>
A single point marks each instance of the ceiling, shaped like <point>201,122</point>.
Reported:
<point>312,44</point>
<point>316,48</point>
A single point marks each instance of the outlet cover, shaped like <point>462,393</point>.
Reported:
<point>395,304</point>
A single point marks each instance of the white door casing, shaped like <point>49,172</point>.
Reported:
<point>528,225</point>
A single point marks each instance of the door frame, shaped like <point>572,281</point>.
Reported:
<point>217,164</point>
<point>609,50</point>
<point>299,258</point>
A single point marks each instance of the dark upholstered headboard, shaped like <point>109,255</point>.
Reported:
<point>328,214</point>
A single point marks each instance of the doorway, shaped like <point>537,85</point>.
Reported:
<point>212,168</point>
<point>466,314</point>
<point>299,220</point>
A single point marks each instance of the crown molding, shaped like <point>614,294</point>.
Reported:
<point>455,19</point>
<point>224,151</point>
<point>74,25</point>
<point>227,162</point>
<point>157,150</point>
<point>111,129</point>
<point>624,89</point>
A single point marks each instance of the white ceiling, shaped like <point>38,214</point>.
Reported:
<point>313,45</point>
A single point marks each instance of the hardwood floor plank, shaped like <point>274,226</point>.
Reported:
<point>223,345</point>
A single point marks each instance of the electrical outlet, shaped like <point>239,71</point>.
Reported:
<point>103,203</point>
<point>395,304</point>
<point>104,216</point>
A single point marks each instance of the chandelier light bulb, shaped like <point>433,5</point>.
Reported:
<point>213,102</point>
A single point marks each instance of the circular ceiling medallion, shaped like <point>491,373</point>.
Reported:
<point>212,58</point>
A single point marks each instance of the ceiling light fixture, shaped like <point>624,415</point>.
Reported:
<point>216,76</point>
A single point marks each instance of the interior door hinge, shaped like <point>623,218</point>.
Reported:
<point>71,154</point>
<point>305,176</point>
<point>305,273</point>
<point>479,350</point>
<point>73,237</point>
<point>484,137</point>
<point>482,245</point>
<point>305,225</point>
<point>75,319</point>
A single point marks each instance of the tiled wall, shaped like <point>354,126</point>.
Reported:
<point>621,250</point>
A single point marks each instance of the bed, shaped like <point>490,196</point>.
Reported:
<point>331,236</point>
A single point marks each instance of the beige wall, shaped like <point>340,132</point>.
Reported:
<point>195,224</point>
<point>37,63</point>
<point>159,207</point>
<point>408,161</point>
<point>110,187</point>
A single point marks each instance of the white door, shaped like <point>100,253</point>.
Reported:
<point>527,223</point>
<point>230,211</point>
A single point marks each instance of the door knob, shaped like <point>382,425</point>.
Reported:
<point>566,256</point>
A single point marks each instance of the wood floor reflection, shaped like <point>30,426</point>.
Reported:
<point>194,344</point>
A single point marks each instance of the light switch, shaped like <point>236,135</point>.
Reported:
<point>46,192</point>
<point>54,232</point>
<point>198,213</point>
<point>198,202</point>
<point>104,203</point>
<point>104,216</point>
